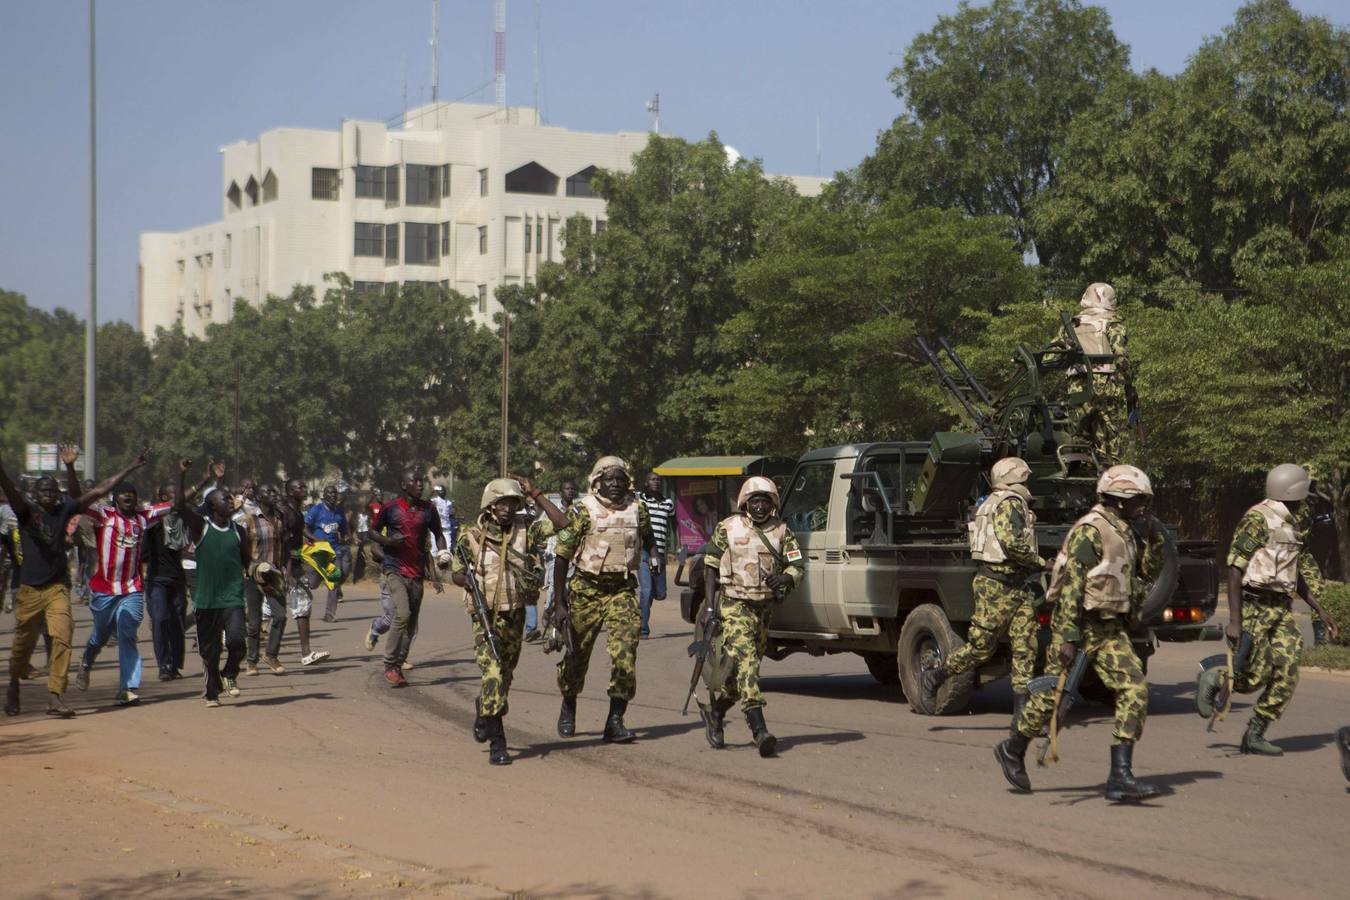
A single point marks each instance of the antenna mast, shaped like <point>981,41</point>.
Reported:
<point>538,118</point>
<point>435,50</point>
<point>499,56</point>
<point>654,107</point>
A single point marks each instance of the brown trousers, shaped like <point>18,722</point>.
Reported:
<point>52,601</point>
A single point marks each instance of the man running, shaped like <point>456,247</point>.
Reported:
<point>264,529</point>
<point>166,581</point>
<point>326,523</point>
<point>300,581</point>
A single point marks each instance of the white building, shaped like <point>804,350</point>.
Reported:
<point>463,196</point>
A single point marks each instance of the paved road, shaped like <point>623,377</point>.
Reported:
<point>325,782</point>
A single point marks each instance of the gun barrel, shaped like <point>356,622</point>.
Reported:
<point>965,372</point>
<point>953,387</point>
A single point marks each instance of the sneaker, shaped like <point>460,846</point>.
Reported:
<point>533,635</point>
<point>395,677</point>
<point>57,707</point>
<point>231,686</point>
<point>177,674</point>
<point>250,669</point>
<point>82,679</point>
<point>274,664</point>
<point>644,635</point>
<point>166,674</point>
<point>313,657</point>
<point>127,698</point>
<point>407,664</point>
<point>212,704</point>
<point>328,618</point>
<point>371,638</point>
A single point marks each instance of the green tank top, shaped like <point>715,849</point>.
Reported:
<point>220,571</point>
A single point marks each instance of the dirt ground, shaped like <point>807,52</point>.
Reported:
<point>325,782</point>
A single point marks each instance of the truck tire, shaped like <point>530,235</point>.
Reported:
<point>885,668</point>
<point>926,633</point>
<point>1162,590</point>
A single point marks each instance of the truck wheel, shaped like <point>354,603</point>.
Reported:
<point>884,667</point>
<point>927,635</point>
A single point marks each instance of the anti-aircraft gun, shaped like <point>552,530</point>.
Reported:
<point>883,527</point>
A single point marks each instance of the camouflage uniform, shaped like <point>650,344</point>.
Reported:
<point>506,604</point>
<point>1102,418</point>
<point>1003,603</point>
<point>1106,639</point>
<point>596,601</point>
<point>1272,666</point>
<point>745,620</point>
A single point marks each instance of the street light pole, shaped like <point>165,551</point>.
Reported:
<point>91,315</point>
<point>506,383</point>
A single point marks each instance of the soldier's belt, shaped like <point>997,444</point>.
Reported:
<point>1013,581</point>
<point>1267,598</point>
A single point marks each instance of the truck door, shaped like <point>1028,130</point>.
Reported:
<point>806,510</point>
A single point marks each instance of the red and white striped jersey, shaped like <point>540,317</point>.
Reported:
<point>119,546</point>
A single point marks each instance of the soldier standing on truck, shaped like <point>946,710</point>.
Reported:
<point>1098,586</point>
<point>752,564</point>
<point>605,531</point>
<point>1265,570</point>
<point>1003,541</point>
<point>1106,378</point>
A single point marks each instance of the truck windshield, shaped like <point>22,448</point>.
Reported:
<point>807,505</point>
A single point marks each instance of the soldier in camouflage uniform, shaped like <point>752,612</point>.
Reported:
<point>1003,541</point>
<point>605,531</point>
<point>1098,587</point>
<point>1266,570</point>
<point>501,546</point>
<point>752,564</point>
<point>1107,378</point>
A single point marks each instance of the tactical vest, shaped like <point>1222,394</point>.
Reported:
<point>1274,567</point>
<point>501,584</point>
<point>1107,587</point>
<point>984,543</point>
<point>1090,327</point>
<point>747,562</point>
<point>611,545</point>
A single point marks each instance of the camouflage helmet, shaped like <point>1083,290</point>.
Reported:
<point>1288,482</point>
<point>1124,482</point>
<point>1009,471</point>
<point>604,464</point>
<point>757,484</point>
<point>502,489</point>
<point>1099,295</point>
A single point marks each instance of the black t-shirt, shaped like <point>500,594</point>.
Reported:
<point>162,563</point>
<point>43,537</point>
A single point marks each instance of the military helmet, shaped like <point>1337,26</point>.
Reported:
<point>1100,295</point>
<point>757,484</point>
<point>1125,482</point>
<point>1009,471</point>
<point>1288,482</point>
<point>604,464</point>
<point>501,489</point>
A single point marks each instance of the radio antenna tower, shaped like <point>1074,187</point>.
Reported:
<point>654,107</point>
<point>499,56</point>
<point>435,50</point>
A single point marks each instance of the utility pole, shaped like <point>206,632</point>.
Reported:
<point>506,383</point>
<point>91,315</point>
<point>435,50</point>
<point>234,462</point>
<point>499,58</point>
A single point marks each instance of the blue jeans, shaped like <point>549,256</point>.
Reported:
<point>651,586</point>
<point>120,613</point>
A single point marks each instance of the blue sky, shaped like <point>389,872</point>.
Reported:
<point>177,79</point>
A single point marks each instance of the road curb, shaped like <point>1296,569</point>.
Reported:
<point>1318,670</point>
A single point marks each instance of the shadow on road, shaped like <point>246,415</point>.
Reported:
<point>286,698</point>
<point>648,733</point>
<point>1167,782</point>
<point>176,883</point>
<point>31,744</point>
<point>832,687</point>
<point>830,738</point>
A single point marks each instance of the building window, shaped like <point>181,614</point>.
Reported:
<point>367,287</point>
<point>269,186</point>
<point>482,298</point>
<point>445,180</point>
<point>235,196</point>
<point>391,244</point>
<point>482,182</point>
<point>445,239</point>
<point>482,239</point>
<point>391,185</point>
<point>579,185</point>
<point>539,238</point>
<point>251,188</point>
<point>323,184</point>
<point>421,244</point>
<point>443,284</point>
<point>600,225</point>
<point>529,238</point>
<point>531,178</point>
<point>369,239</point>
<point>229,247</point>
<point>370,181</point>
<point>424,185</point>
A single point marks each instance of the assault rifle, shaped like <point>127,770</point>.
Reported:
<point>480,607</point>
<point>708,627</point>
<point>1065,686</point>
<point>1234,661</point>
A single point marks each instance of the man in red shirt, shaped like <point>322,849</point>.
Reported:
<point>117,602</point>
<point>401,529</point>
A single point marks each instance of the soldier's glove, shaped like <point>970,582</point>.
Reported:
<point>778,581</point>
<point>1067,652</point>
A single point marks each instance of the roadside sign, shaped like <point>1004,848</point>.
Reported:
<point>45,458</point>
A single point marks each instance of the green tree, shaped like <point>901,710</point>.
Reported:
<point>989,94</point>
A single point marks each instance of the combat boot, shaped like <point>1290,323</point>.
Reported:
<point>1012,756</point>
<point>1121,783</point>
<point>1254,741</point>
<point>480,728</point>
<point>567,717</point>
<point>714,717</point>
<point>615,732</point>
<point>497,755</point>
<point>1207,686</point>
<point>764,742</point>
<point>933,679</point>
